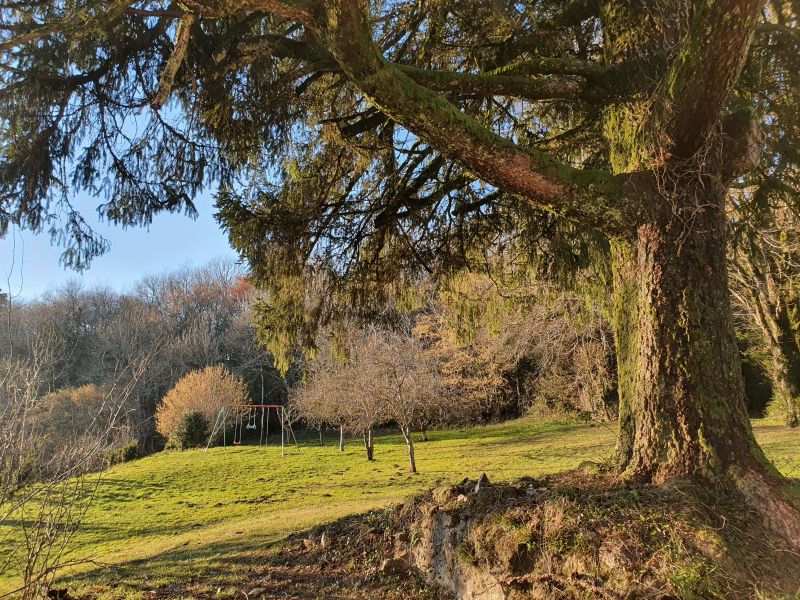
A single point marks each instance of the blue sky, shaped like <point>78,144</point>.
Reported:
<point>31,263</point>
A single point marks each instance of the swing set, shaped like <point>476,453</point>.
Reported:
<point>245,418</point>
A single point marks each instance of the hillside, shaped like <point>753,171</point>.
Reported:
<point>205,516</point>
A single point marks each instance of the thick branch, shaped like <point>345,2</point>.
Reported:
<point>175,61</point>
<point>586,196</point>
<point>706,69</point>
<point>78,19</point>
<point>301,11</point>
<point>495,85</point>
<point>553,66</point>
<point>440,81</point>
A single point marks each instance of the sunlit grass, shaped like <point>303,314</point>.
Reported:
<point>178,514</point>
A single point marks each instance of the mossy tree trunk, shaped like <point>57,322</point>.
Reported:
<point>682,411</point>
<point>682,405</point>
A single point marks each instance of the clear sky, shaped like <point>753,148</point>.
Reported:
<point>31,263</point>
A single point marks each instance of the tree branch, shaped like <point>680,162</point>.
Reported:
<point>495,85</point>
<point>167,80</point>
<point>300,11</point>
<point>706,69</point>
<point>78,19</point>
<point>441,81</point>
<point>553,66</point>
<point>590,197</point>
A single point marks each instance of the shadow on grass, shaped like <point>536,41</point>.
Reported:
<point>220,563</point>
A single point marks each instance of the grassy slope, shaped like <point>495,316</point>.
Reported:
<point>194,513</point>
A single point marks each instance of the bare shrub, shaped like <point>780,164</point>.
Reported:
<point>207,391</point>
<point>69,416</point>
<point>541,348</point>
<point>46,489</point>
<point>572,351</point>
<point>386,377</point>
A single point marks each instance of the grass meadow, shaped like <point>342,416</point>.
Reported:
<point>179,515</point>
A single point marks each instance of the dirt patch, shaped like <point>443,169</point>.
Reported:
<point>344,560</point>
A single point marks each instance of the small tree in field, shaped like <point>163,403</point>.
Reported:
<point>387,377</point>
<point>340,392</point>
<point>409,383</point>
<point>205,391</point>
<point>321,402</point>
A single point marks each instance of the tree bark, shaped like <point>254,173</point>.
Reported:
<point>682,409</point>
<point>368,447</point>
<point>682,406</point>
<point>412,463</point>
<point>341,438</point>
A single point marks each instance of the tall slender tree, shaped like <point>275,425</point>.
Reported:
<point>367,140</point>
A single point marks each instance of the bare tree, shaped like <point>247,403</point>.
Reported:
<point>47,492</point>
<point>765,271</point>
<point>386,377</point>
<point>398,371</point>
<point>339,391</point>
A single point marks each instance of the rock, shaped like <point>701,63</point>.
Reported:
<point>461,498</point>
<point>393,566</point>
<point>483,482</point>
<point>325,540</point>
<point>443,495</point>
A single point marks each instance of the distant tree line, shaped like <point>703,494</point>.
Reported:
<point>172,324</point>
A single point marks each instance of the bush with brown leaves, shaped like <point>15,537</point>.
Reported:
<point>207,391</point>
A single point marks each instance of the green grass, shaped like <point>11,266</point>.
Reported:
<point>184,514</point>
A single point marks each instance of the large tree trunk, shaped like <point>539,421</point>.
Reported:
<point>682,406</point>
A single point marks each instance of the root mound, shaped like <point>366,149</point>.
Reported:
<point>586,535</point>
